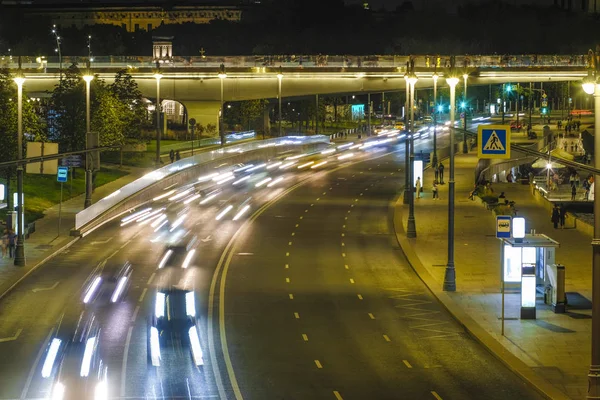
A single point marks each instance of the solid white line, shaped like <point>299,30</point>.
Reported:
<point>150,279</point>
<point>437,396</point>
<point>11,338</point>
<point>407,363</point>
<point>318,363</point>
<point>142,295</point>
<point>135,313</point>
<point>124,365</point>
<point>337,395</point>
<point>35,364</point>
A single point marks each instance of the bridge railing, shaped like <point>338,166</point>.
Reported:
<point>302,61</point>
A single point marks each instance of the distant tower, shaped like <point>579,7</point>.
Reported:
<point>162,49</point>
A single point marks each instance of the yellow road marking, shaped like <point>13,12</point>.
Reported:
<point>287,280</point>
<point>360,296</point>
<point>289,243</point>
<point>305,337</point>
<point>142,295</point>
<point>387,338</point>
<point>297,225</point>
<point>301,217</point>
<point>337,395</point>
<point>293,233</point>
<point>287,254</point>
<point>312,204</point>
<point>407,363</point>
<point>296,315</point>
<point>291,296</point>
<point>371,316</point>
<point>437,396</point>
<point>343,234</point>
<point>318,198</point>
<point>287,266</point>
<point>346,266</point>
<point>151,278</point>
<point>343,254</point>
<point>351,280</point>
<point>318,364</point>
<point>343,244</point>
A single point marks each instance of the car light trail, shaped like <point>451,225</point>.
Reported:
<point>259,184</point>
<point>345,156</point>
<point>134,216</point>
<point>318,164</point>
<point>58,391</point>
<point>92,289</point>
<point>245,178</point>
<point>195,345</point>
<point>207,177</point>
<point>241,212</point>
<point>162,196</point>
<point>305,165</point>
<point>149,215</point>
<point>328,151</point>
<point>188,259</point>
<point>177,222</point>
<point>159,306</point>
<point>209,198</point>
<point>158,220</point>
<point>165,258</point>
<point>101,392</point>
<point>226,179</point>
<point>161,225</point>
<point>222,176</point>
<point>275,182</point>
<point>119,289</point>
<point>345,145</point>
<point>50,358</point>
<point>190,304</point>
<point>222,213</point>
<point>90,344</point>
<point>257,167</point>
<point>287,165</point>
<point>154,347</point>
<point>179,195</point>
<point>245,167</point>
<point>356,146</point>
<point>194,197</point>
<point>271,166</point>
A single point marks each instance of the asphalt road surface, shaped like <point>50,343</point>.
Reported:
<point>305,296</point>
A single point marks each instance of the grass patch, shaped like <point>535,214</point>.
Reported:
<point>43,191</point>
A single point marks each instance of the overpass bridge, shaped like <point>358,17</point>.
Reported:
<point>196,81</point>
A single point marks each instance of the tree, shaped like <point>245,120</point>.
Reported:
<point>68,98</point>
<point>250,110</point>
<point>109,119</point>
<point>126,90</point>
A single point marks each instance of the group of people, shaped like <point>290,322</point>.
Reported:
<point>570,125</point>
<point>559,214</point>
<point>9,242</point>
<point>439,179</point>
<point>174,156</point>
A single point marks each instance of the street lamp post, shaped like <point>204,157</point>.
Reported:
<point>411,229</point>
<point>20,249</point>
<point>158,77</point>
<point>57,37</point>
<point>88,142</point>
<point>435,79</point>
<point>466,111</point>
<point>450,273</point>
<point>279,78</point>
<point>222,75</point>
<point>407,186</point>
<point>591,86</point>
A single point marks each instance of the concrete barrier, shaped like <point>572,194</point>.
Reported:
<point>143,190</point>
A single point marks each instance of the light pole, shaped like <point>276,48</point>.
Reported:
<point>158,77</point>
<point>88,142</point>
<point>435,79</point>
<point>411,229</point>
<point>407,186</point>
<point>591,86</point>
<point>450,273</point>
<point>20,249</point>
<point>466,110</point>
<point>279,78</point>
<point>89,45</point>
<point>222,75</point>
<point>57,50</point>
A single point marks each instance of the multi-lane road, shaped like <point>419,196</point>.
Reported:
<point>305,296</point>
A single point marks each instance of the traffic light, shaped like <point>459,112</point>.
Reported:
<point>508,88</point>
<point>544,110</point>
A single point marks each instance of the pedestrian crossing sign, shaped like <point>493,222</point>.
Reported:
<point>494,141</point>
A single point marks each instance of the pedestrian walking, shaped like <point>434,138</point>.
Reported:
<point>588,158</point>
<point>562,211</point>
<point>573,192</point>
<point>434,190</point>
<point>172,156</point>
<point>177,156</point>
<point>555,216</point>
<point>4,242</point>
<point>441,168</point>
<point>12,243</point>
<point>577,180</point>
<point>418,187</point>
<point>437,173</point>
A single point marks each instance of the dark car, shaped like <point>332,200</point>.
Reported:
<point>173,326</point>
<point>73,366</point>
<point>108,285</point>
<point>180,252</point>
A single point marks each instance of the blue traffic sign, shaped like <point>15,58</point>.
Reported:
<point>503,226</point>
<point>494,141</point>
<point>62,174</point>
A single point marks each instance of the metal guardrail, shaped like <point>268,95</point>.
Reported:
<point>229,138</point>
<point>305,61</point>
<point>118,198</point>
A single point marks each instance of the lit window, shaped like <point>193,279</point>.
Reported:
<point>168,107</point>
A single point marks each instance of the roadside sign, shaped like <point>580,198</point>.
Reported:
<point>63,174</point>
<point>503,226</point>
<point>72,161</point>
<point>493,141</point>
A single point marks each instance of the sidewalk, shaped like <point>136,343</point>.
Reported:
<point>46,241</point>
<point>551,352</point>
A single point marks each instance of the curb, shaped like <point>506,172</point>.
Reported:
<point>8,286</point>
<point>542,386</point>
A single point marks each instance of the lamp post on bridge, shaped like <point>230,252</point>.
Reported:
<point>591,85</point>
<point>88,143</point>
<point>158,77</point>
<point>435,80</point>
<point>450,273</point>
<point>279,78</point>
<point>411,228</point>
<point>20,247</point>
<point>466,110</point>
<point>222,75</point>
<point>58,50</point>
<point>407,186</point>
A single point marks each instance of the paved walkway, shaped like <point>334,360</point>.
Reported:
<point>46,240</point>
<point>555,347</point>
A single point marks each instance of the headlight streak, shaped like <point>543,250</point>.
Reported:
<point>93,287</point>
<point>222,176</point>
<point>222,213</point>
<point>194,197</point>
<point>195,345</point>
<point>209,198</point>
<point>190,304</point>
<point>287,165</point>
<point>162,196</point>
<point>177,222</point>
<point>134,216</point>
<point>259,184</point>
<point>306,164</point>
<point>241,212</point>
<point>356,146</point>
<point>58,391</point>
<point>165,258</point>
<point>226,179</point>
<point>50,358</point>
<point>188,259</point>
<point>275,182</point>
<point>159,306</point>
<point>161,225</point>
<point>328,151</point>
<point>318,164</point>
<point>207,177</point>
<point>345,145</point>
<point>245,167</point>
<point>179,195</point>
<point>158,220</point>
<point>345,156</point>
<point>119,289</point>
<point>101,392</point>
<point>149,215</point>
<point>154,347</point>
<point>242,179</point>
<point>257,167</point>
<point>271,166</point>
<point>90,345</point>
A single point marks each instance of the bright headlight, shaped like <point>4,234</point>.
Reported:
<point>87,356</point>
<point>154,347</point>
<point>159,306</point>
<point>195,345</point>
<point>190,304</point>
<point>50,358</point>
<point>58,391</point>
<point>101,392</point>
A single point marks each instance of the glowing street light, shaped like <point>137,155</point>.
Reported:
<point>20,248</point>
<point>279,78</point>
<point>222,75</point>
<point>435,110</point>
<point>158,76</point>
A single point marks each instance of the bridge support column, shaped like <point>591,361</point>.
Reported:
<point>205,113</point>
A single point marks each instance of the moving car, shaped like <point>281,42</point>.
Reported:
<point>180,251</point>
<point>516,126</point>
<point>108,285</point>
<point>174,326</point>
<point>72,364</point>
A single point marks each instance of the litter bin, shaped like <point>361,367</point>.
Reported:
<point>556,277</point>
